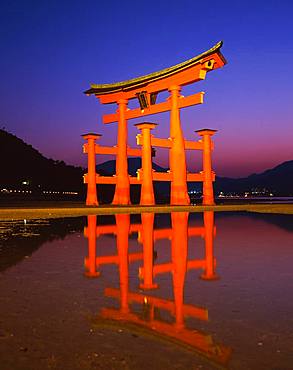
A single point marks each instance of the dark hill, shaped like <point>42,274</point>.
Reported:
<point>21,162</point>
<point>278,180</point>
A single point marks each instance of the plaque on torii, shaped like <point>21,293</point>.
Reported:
<point>145,89</point>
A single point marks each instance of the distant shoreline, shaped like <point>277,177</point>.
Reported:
<point>76,209</point>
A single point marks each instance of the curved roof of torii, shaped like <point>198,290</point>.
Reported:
<point>99,89</point>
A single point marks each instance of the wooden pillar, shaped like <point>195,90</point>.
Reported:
<point>209,272</point>
<point>179,193</point>
<point>208,192</point>
<point>147,190</point>
<point>122,191</point>
<point>147,220</point>
<point>123,225</point>
<point>91,233</point>
<point>89,148</point>
<point>179,246</point>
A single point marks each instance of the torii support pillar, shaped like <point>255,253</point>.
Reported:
<point>208,192</point>
<point>179,194</point>
<point>147,189</point>
<point>89,148</point>
<point>122,190</point>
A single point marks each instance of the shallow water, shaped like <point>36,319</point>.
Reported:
<point>198,291</point>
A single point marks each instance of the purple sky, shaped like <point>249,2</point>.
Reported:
<point>52,50</point>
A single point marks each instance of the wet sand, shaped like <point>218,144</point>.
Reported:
<point>43,210</point>
<point>49,320</point>
<point>51,311</point>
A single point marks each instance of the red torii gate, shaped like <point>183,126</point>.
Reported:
<point>146,89</point>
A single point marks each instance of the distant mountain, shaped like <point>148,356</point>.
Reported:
<point>109,168</point>
<point>161,189</point>
<point>278,180</point>
<point>20,162</point>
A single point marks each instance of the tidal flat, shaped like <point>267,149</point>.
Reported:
<point>204,290</point>
<point>41,210</point>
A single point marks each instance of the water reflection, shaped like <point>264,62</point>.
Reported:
<point>20,239</point>
<point>161,316</point>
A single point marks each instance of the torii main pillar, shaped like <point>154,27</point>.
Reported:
<point>179,193</point>
<point>122,190</point>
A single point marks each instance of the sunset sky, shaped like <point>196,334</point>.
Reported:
<point>52,50</point>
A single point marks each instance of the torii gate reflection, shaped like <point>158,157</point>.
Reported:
<point>178,266</point>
